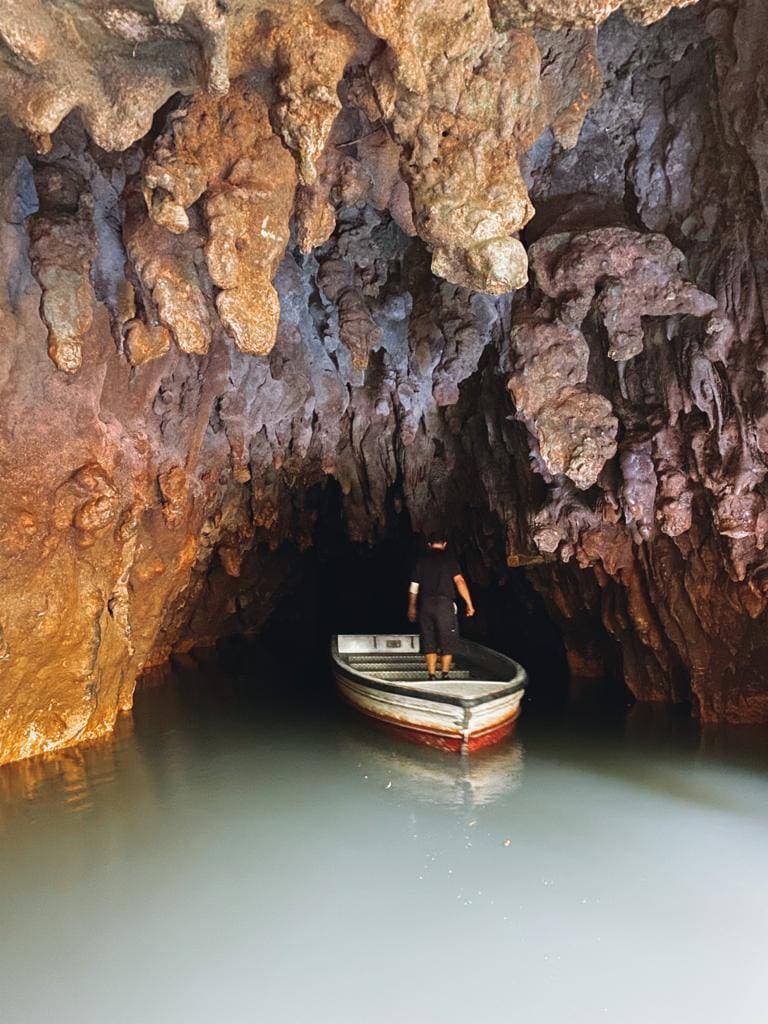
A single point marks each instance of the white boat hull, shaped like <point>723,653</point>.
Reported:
<point>457,726</point>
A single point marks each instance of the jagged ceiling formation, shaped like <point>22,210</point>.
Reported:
<point>247,246</point>
<point>458,88</point>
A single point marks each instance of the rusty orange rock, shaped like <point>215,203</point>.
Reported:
<point>145,342</point>
<point>225,150</point>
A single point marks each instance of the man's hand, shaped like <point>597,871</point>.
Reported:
<point>412,612</point>
<point>461,585</point>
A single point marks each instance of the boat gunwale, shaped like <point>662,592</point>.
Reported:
<point>514,685</point>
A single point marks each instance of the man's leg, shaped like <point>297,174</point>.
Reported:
<point>427,628</point>
<point>448,634</point>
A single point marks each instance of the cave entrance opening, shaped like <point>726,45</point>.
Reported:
<point>348,587</point>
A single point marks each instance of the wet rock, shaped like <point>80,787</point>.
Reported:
<point>145,342</point>
<point>62,247</point>
<point>629,275</point>
<point>224,149</point>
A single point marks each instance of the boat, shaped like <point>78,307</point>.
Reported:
<point>384,676</point>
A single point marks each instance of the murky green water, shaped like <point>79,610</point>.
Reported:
<point>223,860</point>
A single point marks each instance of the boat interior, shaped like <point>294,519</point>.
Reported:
<point>397,659</point>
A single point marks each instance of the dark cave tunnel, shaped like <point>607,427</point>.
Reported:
<point>348,587</point>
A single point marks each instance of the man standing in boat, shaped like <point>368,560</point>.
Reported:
<point>431,600</point>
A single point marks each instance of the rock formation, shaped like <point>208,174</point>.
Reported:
<point>500,262</point>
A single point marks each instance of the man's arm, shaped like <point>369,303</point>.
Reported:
<point>463,589</point>
<point>413,595</point>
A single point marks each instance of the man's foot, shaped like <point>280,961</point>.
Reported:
<point>432,676</point>
<point>446,675</point>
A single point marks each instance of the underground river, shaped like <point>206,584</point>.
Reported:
<point>245,849</point>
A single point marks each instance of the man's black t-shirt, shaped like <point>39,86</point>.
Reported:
<point>434,574</point>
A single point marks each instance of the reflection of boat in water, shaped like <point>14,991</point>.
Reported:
<point>385,678</point>
<point>432,776</point>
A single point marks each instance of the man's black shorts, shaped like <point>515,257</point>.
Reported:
<point>439,626</point>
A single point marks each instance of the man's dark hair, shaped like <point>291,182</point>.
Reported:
<point>436,537</point>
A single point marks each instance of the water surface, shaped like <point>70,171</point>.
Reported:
<point>241,851</point>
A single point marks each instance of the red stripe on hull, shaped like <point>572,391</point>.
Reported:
<point>487,739</point>
<point>440,740</point>
<point>451,743</point>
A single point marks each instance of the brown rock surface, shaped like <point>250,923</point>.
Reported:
<point>449,79</point>
<point>238,305</point>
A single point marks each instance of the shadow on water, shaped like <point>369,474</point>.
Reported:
<point>650,747</point>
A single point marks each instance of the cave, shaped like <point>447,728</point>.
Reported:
<point>286,286</point>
